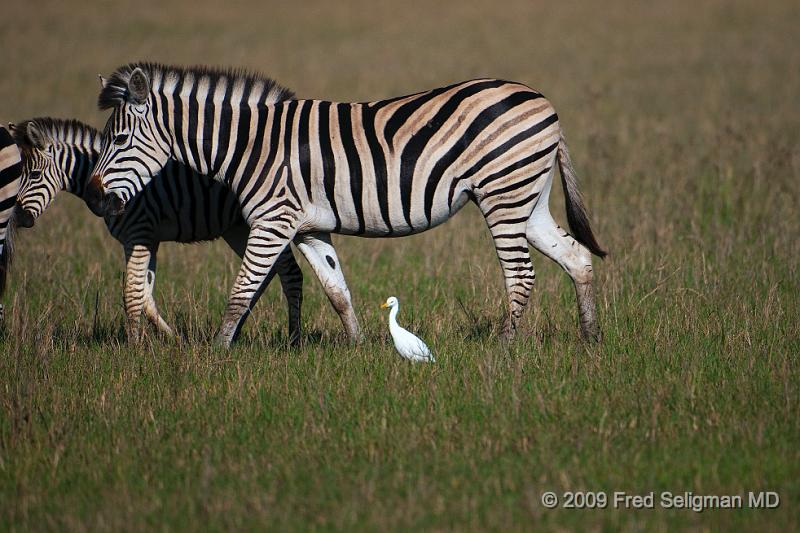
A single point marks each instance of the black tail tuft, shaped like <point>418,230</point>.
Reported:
<point>577,217</point>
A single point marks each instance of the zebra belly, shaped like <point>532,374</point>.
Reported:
<point>323,219</point>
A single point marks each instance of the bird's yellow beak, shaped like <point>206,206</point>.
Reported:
<point>384,305</point>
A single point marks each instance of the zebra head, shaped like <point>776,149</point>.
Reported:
<point>46,165</point>
<point>134,147</point>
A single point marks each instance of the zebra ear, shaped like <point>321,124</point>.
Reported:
<point>103,81</point>
<point>12,127</point>
<point>138,86</point>
<point>35,136</point>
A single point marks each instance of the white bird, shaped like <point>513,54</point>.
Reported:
<point>407,344</point>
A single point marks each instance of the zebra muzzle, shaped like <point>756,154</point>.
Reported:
<point>94,195</point>
<point>101,202</point>
<point>113,205</point>
<point>22,217</point>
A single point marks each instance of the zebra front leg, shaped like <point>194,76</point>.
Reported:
<point>150,308</point>
<point>137,259</point>
<point>321,255</point>
<point>289,273</point>
<point>291,278</point>
<point>266,242</point>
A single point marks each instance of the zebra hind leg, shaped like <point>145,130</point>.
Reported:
<point>550,239</point>
<point>507,217</point>
<point>511,246</point>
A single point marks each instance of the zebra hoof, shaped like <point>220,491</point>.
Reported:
<point>590,330</point>
<point>295,340</point>
<point>508,333</point>
<point>135,336</point>
<point>591,334</point>
<point>222,341</point>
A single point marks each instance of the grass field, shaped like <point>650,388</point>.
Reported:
<point>683,122</point>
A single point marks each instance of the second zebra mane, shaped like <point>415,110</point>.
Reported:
<point>54,130</point>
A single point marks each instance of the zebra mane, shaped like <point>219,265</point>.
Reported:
<point>115,89</point>
<point>57,131</point>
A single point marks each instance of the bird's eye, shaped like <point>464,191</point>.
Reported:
<point>122,138</point>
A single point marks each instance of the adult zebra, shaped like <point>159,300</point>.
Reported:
<point>10,169</point>
<point>58,155</point>
<point>385,168</point>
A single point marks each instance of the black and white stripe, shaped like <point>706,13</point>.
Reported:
<point>385,168</point>
<point>10,169</point>
<point>59,155</point>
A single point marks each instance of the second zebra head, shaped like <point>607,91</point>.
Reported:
<point>55,154</point>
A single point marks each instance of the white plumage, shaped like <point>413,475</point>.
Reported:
<point>407,344</point>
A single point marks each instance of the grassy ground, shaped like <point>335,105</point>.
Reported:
<point>683,121</point>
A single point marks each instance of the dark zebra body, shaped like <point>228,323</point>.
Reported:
<point>387,168</point>
<point>184,207</point>
<point>10,170</point>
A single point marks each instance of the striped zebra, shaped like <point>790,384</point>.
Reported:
<point>378,169</point>
<point>58,155</point>
<point>10,169</point>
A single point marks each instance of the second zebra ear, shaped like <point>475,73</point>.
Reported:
<point>138,86</point>
<point>35,136</point>
<point>103,81</point>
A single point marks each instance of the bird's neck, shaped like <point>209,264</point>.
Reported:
<point>393,316</point>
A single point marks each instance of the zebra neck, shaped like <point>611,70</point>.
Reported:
<point>242,136</point>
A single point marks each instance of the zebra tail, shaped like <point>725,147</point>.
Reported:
<point>577,217</point>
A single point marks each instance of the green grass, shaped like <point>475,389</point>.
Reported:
<point>683,122</point>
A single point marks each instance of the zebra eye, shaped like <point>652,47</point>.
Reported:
<point>122,138</point>
<point>36,175</point>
